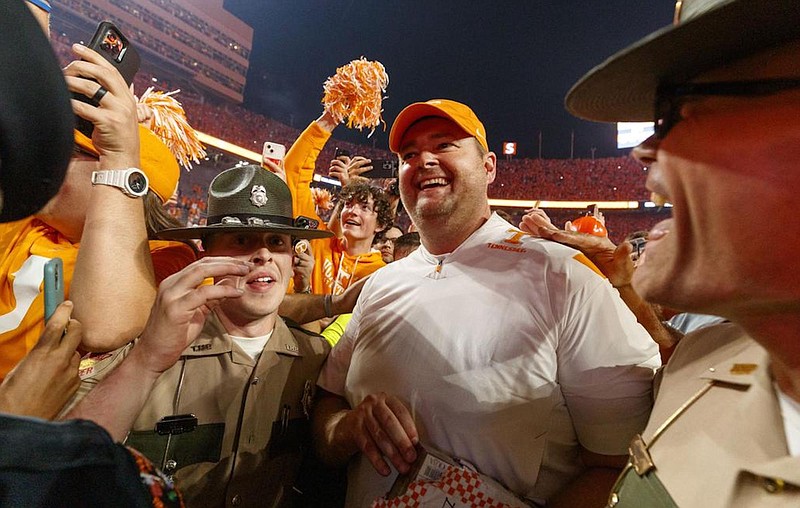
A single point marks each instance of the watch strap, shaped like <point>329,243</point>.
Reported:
<point>116,178</point>
<point>112,177</point>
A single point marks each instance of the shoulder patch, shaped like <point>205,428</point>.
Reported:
<point>582,259</point>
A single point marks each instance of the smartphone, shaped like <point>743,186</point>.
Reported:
<point>53,286</point>
<point>340,152</point>
<point>382,168</point>
<point>109,42</point>
<point>274,152</point>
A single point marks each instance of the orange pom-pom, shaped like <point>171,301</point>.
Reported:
<point>168,122</point>
<point>355,93</point>
<point>322,198</point>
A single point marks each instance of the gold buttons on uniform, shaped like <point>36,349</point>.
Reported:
<point>773,485</point>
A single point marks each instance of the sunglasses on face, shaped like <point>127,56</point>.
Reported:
<point>670,97</point>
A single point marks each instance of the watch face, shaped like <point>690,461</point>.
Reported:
<point>137,182</point>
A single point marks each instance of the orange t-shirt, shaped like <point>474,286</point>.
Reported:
<point>334,269</point>
<point>25,247</point>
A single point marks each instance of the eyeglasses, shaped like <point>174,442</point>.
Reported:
<point>669,98</point>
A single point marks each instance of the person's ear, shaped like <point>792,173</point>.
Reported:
<point>490,164</point>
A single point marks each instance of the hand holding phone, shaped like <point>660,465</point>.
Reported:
<point>53,286</point>
<point>383,168</point>
<point>274,152</point>
<point>109,42</point>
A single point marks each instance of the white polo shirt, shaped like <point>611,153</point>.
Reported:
<point>508,351</point>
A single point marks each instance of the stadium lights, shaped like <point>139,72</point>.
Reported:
<point>508,203</point>
<point>650,204</point>
<point>229,147</point>
<point>603,205</point>
<point>326,179</point>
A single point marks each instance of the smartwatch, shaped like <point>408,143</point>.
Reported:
<point>132,181</point>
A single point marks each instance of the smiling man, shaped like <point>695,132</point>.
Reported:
<point>723,86</point>
<point>231,417</point>
<point>510,352</point>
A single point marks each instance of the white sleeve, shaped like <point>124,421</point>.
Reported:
<point>606,363</point>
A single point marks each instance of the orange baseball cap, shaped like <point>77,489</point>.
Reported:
<point>443,108</point>
<point>157,162</point>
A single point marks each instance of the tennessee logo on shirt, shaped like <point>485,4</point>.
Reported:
<point>510,241</point>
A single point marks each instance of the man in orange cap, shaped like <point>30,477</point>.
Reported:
<point>487,344</point>
<point>101,207</point>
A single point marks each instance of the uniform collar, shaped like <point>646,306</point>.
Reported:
<point>214,340</point>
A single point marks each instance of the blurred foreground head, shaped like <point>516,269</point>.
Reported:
<point>36,118</point>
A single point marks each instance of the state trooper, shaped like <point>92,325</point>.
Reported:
<point>723,86</point>
<point>230,420</point>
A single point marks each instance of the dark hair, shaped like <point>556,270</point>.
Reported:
<point>407,240</point>
<point>381,236</point>
<point>637,234</point>
<point>156,218</point>
<point>360,192</point>
<point>407,243</point>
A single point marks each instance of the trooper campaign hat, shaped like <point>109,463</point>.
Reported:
<point>249,198</point>
<point>704,35</point>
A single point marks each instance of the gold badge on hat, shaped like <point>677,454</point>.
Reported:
<point>258,195</point>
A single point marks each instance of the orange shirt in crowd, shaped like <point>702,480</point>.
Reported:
<point>334,269</point>
<point>25,247</point>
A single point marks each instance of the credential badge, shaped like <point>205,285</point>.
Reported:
<point>258,195</point>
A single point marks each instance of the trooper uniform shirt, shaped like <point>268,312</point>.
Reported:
<point>252,416</point>
<point>716,437</point>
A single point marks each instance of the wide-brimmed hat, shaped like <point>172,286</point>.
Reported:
<point>248,198</point>
<point>705,34</point>
<point>35,116</point>
<point>459,113</point>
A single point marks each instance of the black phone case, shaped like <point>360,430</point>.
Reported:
<point>128,66</point>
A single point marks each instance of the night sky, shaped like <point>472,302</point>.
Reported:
<point>512,61</point>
